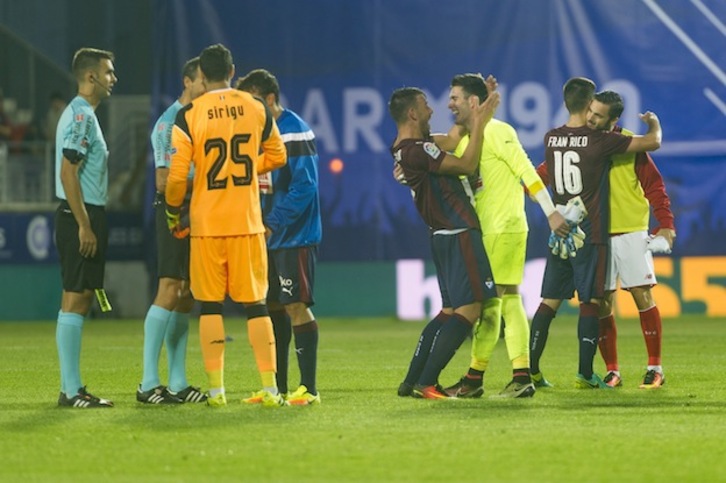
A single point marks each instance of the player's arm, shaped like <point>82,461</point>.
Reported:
<point>655,191</point>
<point>176,181</point>
<point>69,176</point>
<point>449,141</point>
<point>274,153</point>
<point>161,148</point>
<point>301,192</point>
<point>539,193</point>
<point>469,160</point>
<point>650,141</point>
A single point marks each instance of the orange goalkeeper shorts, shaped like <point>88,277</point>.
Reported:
<point>234,266</point>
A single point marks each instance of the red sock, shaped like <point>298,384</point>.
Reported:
<point>608,342</point>
<point>650,323</point>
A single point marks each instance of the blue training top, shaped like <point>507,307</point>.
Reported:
<point>78,130</point>
<point>292,211</point>
<point>161,136</point>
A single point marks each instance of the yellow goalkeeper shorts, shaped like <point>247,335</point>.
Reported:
<point>507,253</point>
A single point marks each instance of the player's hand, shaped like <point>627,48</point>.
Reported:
<point>487,108</point>
<point>398,174</point>
<point>87,243</point>
<point>173,222</point>
<point>667,233</point>
<point>649,118</point>
<point>491,83</point>
<point>558,224</point>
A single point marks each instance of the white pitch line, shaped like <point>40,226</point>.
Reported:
<point>710,16</point>
<point>711,96</point>
<point>690,44</point>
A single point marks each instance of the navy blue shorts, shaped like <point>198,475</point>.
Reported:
<point>291,275</point>
<point>172,253</point>
<point>79,273</point>
<point>462,268</point>
<point>584,273</point>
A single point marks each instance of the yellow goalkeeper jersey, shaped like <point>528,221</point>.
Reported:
<point>230,137</point>
<point>503,167</point>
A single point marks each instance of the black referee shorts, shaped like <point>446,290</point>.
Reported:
<point>80,273</point>
<point>172,253</point>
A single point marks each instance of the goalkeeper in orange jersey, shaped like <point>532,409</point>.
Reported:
<point>231,137</point>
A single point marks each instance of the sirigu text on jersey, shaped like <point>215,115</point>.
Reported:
<point>218,112</point>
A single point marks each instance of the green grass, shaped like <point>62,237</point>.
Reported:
<point>363,431</point>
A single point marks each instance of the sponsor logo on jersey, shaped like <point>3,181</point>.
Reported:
<point>432,150</point>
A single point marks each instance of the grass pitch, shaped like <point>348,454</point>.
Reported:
<point>363,431</point>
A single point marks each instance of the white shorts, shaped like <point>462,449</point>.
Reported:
<point>630,261</point>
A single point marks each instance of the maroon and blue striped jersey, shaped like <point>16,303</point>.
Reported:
<point>578,163</point>
<point>442,200</point>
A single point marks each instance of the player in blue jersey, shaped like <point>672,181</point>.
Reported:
<point>81,229</point>
<point>578,163</point>
<point>168,317</point>
<point>444,201</point>
<point>291,214</point>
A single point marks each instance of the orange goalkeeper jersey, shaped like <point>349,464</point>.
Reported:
<point>231,137</point>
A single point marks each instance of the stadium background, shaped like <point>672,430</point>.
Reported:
<point>337,63</point>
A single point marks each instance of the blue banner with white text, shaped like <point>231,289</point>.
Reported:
<point>338,62</point>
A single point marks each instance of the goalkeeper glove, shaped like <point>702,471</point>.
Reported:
<point>567,247</point>
<point>173,221</point>
<point>554,243</point>
<point>574,211</point>
<point>578,237</point>
<point>658,244</point>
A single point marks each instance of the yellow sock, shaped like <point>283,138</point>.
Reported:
<point>516,330</point>
<point>486,334</point>
<point>268,379</point>
<point>212,341</point>
<point>262,340</point>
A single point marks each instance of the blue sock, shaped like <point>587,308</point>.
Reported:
<point>177,334</point>
<point>157,319</point>
<point>538,335</point>
<point>588,329</point>
<point>306,348</point>
<point>423,348</point>
<point>450,337</point>
<point>68,339</point>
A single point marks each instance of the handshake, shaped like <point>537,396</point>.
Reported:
<point>574,212</point>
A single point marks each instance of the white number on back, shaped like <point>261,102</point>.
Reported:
<point>568,177</point>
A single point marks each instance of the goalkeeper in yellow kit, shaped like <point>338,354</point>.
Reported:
<point>503,168</point>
